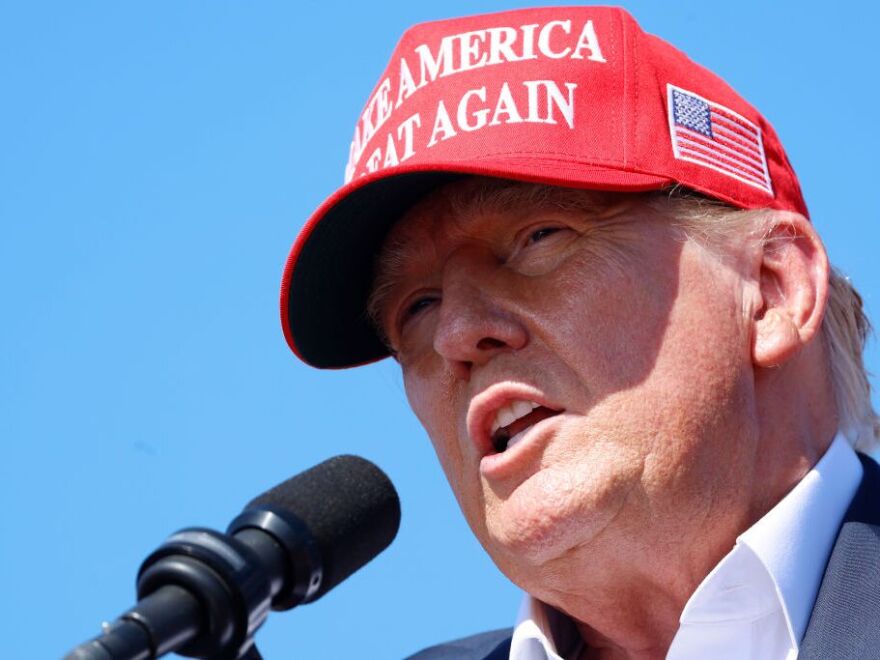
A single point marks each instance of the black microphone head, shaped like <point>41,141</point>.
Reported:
<point>348,505</point>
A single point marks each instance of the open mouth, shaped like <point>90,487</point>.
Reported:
<point>513,420</point>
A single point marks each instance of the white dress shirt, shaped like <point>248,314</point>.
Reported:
<point>757,601</point>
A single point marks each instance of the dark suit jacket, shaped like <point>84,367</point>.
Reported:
<point>845,623</point>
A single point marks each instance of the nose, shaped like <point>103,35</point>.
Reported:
<point>477,318</point>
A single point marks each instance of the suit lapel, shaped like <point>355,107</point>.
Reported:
<point>845,623</point>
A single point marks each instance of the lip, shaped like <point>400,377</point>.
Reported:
<point>485,405</point>
<point>500,466</point>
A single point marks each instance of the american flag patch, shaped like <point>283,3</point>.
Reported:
<point>713,136</point>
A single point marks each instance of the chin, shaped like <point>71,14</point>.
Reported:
<point>530,535</point>
<point>551,515</point>
<point>515,550</point>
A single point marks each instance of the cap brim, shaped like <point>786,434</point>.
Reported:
<point>329,273</point>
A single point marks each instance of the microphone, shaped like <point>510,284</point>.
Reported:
<point>203,593</point>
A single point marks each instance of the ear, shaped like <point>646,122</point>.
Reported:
<point>794,288</point>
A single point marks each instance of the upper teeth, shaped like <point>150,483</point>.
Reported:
<point>512,412</point>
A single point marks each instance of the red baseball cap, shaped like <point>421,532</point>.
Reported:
<point>570,96</point>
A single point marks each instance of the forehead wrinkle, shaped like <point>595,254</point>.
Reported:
<point>499,196</point>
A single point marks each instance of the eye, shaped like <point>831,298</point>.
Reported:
<point>540,244</point>
<point>540,234</point>
<point>413,308</point>
<point>416,306</point>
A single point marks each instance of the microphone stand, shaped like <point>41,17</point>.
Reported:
<point>170,615</point>
<point>203,594</point>
<point>162,622</point>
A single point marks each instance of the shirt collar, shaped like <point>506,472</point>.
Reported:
<point>789,547</point>
<point>794,539</point>
<point>543,633</point>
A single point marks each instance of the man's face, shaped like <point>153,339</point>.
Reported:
<point>612,351</point>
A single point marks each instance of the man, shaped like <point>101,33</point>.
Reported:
<point>593,262</point>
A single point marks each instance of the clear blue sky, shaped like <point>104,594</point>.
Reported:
<point>157,160</point>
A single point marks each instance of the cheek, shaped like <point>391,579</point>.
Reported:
<point>708,331</point>
<point>430,392</point>
<point>439,406</point>
<point>606,311</point>
<point>692,398</point>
